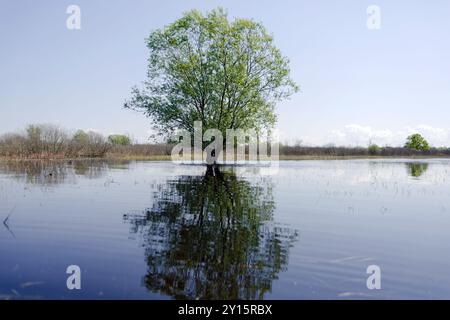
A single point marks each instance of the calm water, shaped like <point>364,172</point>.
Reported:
<point>155,230</point>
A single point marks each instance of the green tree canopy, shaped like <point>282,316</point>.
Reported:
<point>119,139</point>
<point>417,142</point>
<point>226,74</point>
<point>374,149</point>
<point>81,137</point>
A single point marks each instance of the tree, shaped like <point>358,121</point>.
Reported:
<point>34,138</point>
<point>226,74</point>
<point>119,140</point>
<point>374,149</point>
<point>89,144</point>
<point>46,138</point>
<point>81,137</point>
<point>97,145</point>
<point>417,142</point>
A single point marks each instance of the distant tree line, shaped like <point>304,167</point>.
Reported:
<point>50,141</point>
<point>372,150</point>
<point>42,140</point>
<point>415,145</point>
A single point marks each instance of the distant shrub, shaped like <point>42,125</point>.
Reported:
<point>142,150</point>
<point>80,137</point>
<point>374,150</point>
<point>13,144</point>
<point>96,146</point>
<point>46,139</point>
<point>417,142</point>
<point>88,144</point>
<point>119,140</point>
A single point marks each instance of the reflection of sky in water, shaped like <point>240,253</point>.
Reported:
<point>346,214</point>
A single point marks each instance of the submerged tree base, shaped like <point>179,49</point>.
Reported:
<point>213,170</point>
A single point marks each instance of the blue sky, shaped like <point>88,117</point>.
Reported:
<point>357,85</point>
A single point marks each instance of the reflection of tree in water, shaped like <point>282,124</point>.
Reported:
<point>90,169</point>
<point>36,172</point>
<point>416,169</point>
<point>57,172</point>
<point>210,237</point>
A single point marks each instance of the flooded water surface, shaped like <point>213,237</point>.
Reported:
<point>158,230</point>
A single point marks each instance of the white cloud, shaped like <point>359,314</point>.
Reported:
<point>353,135</point>
<point>359,135</point>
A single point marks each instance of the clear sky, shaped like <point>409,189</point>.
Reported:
<point>356,84</point>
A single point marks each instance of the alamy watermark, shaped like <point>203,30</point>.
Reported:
<point>73,22</point>
<point>234,146</point>
<point>74,280</point>
<point>374,17</point>
<point>374,280</point>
